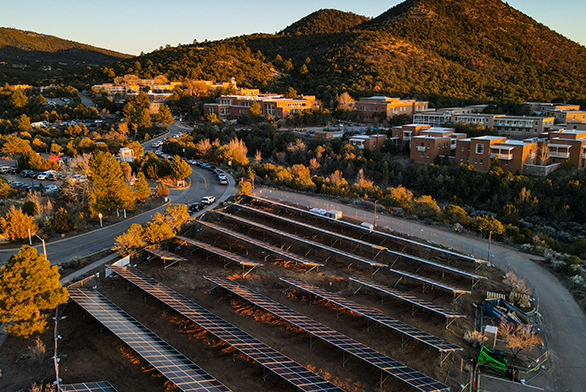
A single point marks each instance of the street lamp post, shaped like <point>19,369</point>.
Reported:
<point>42,240</point>
<point>100,216</point>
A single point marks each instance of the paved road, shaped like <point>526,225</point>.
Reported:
<point>203,183</point>
<point>564,321</point>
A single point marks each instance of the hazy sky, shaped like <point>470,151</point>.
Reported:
<point>132,26</point>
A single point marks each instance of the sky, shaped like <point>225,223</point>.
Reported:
<point>135,26</point>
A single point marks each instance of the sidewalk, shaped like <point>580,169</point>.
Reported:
<point>81,272</point>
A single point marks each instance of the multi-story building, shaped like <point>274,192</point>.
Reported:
<point>522,126</point>
<point>440,117</point>
<point>402,134</point>
<point>230,107</point>
<point>477,118</point>
<point>570,116</point>
<point>512,155</point>
<point>431,142</point>
<point>543,107</point>
<point>567,144</point>
<point>366,108</point>
<point>368,142</point>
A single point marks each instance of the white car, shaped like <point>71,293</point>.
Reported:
<point>207,200</point>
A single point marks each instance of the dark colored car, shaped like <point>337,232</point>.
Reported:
<point>195,207</point>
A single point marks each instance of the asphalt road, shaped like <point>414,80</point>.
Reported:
<point>564,321</point>
<point>203,183</point>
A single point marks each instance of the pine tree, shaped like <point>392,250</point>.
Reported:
<point>164,116</point>
<point>108,188</point>
<point>180,169</point>
<point>29,285</point>
<point>141,188</point>
<point>17,224</point>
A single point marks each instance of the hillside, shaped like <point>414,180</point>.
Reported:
<point>325,21</point>
<point>447,51</point>
<point>26,56</point>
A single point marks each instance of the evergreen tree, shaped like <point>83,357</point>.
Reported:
<point>180,169</point>
<point>108,190</point>
<point>164,116</point>
<point>29,285</point>
<point>17,224</point>
<point>141,188</point>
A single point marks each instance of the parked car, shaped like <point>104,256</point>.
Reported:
<point>195,207</point>
<point>207,200</point>
<point>223,181</point>
<point>51,188</point>
<point>5,169</point>
<point>26,173</point>
<point>16,184</point>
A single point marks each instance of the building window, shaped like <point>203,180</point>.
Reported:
<point>480,148</point>
<point>462,148</point>
<point>427,155</point>
<point>475,160</point>
<point>481,161</point>
<point>461,159</point>
<point>421,155</point>
<point>467,159</point>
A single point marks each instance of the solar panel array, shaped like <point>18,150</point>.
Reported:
<point>310,227</point>
<point>409,298</point>
<point>423,245</point>
<point>175,366</point>
<point>260,244</point>
<point>163,254</point>
<point>220,252</point>
<point>386,364</point>
<point>307,242</point>
<point>431,282</point>
<point>258,351</point>
<point>378,316</point>
<point>99,386</point>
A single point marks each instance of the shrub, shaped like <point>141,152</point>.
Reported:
<point>475,338</point>
<point>161,190</point>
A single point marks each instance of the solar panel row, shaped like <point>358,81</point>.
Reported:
<point>431,282</point>
<point>307,242</point>
<point>409,298</point>
<point>99,386</point>
<point>405,240</point>
<point>179,369</point>
<point>384,363</point>
<point>220,252</point>
<point>263,245</point>
<point>376,315</point>
<point>265,355</point>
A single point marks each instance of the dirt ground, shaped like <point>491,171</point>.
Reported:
<point>90,352</point>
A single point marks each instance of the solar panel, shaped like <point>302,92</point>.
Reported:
<point>386,364</point>
<point>427,246</point>
<point>243,261</point>
<point>264,245</point>
<point>454,290</point>
<point>165,256</point>
<point>437,265</point>
<point>99,386</point>
<point>378,316</point>
<point>175,366</point>
<point>305,241</point>
<point>409,298</point>
<point>265,355</point>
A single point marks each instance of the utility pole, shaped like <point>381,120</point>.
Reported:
<point>374,221</point>
<point>489,239</point>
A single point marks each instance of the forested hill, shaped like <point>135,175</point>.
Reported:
<point>430,49</point>
<point>325,21</point>
<point>26,55</point>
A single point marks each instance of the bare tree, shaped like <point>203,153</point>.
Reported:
<point>543,153</point>
<point>518,337</point>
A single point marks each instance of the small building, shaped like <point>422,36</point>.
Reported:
<point>126,154</point>
<point>568,144</point>
<point>433,142</point>
<point>369,142</point>
<point>230,107</point>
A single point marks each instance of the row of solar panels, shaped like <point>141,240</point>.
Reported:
<point>189,377</point>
